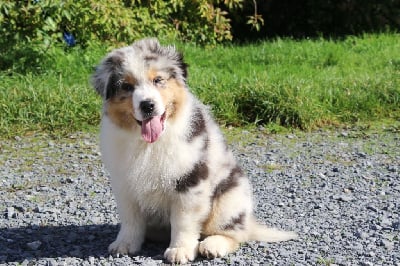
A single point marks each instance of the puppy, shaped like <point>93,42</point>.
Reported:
<point>171,171</point>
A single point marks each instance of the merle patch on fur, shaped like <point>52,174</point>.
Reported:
<point>112,85</point>
<point>230,182</point>
<point>235,223</point>
<point>112,65</point>
<point>182,65</point>
<point>150,57</point>
<point>197,124</point>
<point>127,87</point>
<point>199,172</point>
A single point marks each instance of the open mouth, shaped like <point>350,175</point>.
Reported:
<point>152,127</point>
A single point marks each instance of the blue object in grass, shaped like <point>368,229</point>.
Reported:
<point>69,39</point>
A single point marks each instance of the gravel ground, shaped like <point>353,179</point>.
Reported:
<point>339,190</point>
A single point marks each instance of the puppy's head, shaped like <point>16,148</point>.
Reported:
<point>143,86</point>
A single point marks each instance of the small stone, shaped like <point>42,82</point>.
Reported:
<point>322,175</point>
<point>262,244</point>
<point>43,188</point>
<point>35,245</point>
<point>219,260</point>
<point>396,225</point>
<point>361,235</point>
<point>366,263</point>
<point>52,262</point>
<point>39,209</point>
<point>317,206</point>
<point>284,253</point>
<point>91,259</point>
<point>358,246</point>
<point>371,254</point>
<point>362,155</point>
<point>19,208</point>
<point>372,208</point>
<point>376,227</point>
<point>346,190</point>
<point>385,222</point>
<point>11,213</point>
<point>387,244</point>
<point>343,198</point>
<point>95,220</point>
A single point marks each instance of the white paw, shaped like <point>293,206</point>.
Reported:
<point>216,246</point>
<point>180,254</point>
<point>123,247</point>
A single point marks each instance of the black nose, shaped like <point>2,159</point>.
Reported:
<point>147,106</point>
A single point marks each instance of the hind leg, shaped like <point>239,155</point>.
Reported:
<point>217,246</point>
<point>228,221</point>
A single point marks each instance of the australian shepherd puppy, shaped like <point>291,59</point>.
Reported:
<point>171,171</point>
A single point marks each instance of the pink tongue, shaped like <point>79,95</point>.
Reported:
<point>151,129</point>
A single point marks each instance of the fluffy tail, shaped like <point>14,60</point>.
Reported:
<point>261,232</point>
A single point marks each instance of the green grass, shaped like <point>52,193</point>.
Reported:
<point>301,84</point>
<point>57,98</point>
<point>296,84</point>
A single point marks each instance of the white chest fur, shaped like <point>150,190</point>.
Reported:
<point>147,172</point>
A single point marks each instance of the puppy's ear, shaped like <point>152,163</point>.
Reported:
<point>182,65</point>
<point>107,75</point>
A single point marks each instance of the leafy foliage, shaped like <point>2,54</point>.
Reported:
<point>117,20</point>
<point>39,24</point>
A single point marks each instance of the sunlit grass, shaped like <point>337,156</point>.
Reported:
<point>301,84</point>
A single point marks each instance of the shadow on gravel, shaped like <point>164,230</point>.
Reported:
<point>35,242</point>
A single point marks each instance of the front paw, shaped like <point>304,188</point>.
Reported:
<point>181,254</point>
<point>123,247</point>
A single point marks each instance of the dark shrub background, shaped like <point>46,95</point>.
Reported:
<point>327,18</point>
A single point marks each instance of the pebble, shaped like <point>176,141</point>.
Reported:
<point>10,213</point>
<point>64,212</point>
<point>387,244</point>
<point>91,260</point>
<point>396,225</point>
<point>366,263</point>
<point>52,262</point>
<point>345,198</point>
<point>372,208</point>
<point>361,235</point>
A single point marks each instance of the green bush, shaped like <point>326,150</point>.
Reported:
<point>116,20</point>
<point>39,24</point>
